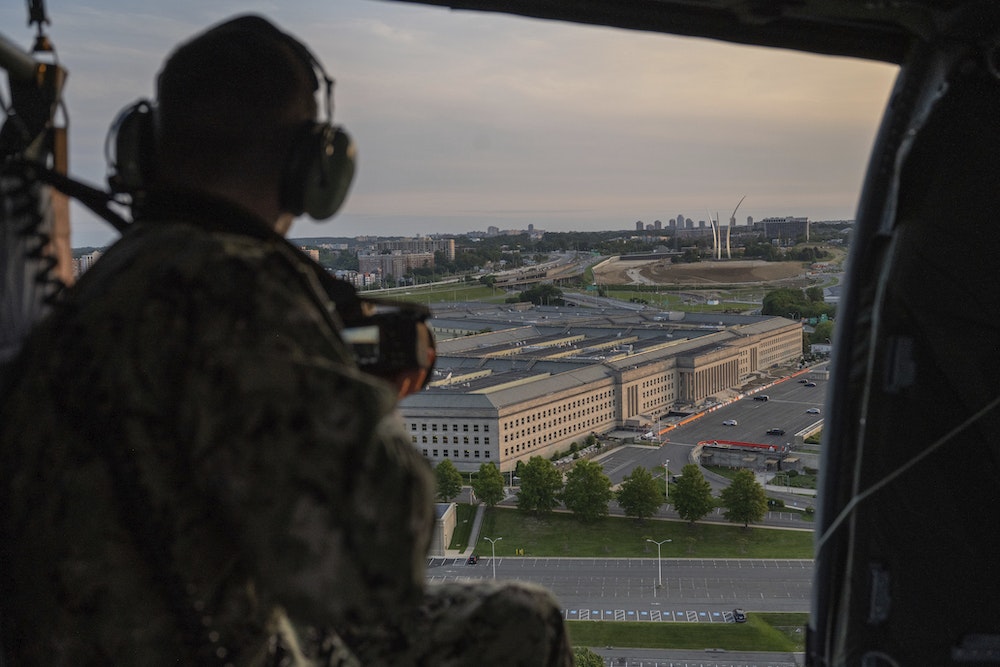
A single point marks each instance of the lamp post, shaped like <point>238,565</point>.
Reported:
<point>666,479</point>
<point>659,563</point>
<point>493,560</point>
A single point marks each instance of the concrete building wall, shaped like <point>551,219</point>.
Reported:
<point>544,415</point>
<point>466,440</point>
<point>444,528</point>
<point>552,423</point>
<point>781,347</point>
<point>649,389</point>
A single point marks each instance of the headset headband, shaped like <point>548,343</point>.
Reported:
<point>260,25</point>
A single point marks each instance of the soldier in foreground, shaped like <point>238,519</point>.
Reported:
<point>193,469</point>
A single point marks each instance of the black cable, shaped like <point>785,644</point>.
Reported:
<point>26,209</point>
<point>97,200</point>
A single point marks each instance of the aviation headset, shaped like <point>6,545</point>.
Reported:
<point>315,177</point>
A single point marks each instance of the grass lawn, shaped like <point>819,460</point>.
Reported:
<point>562,535</point>
<point>464,515</point>
<point>761,632</point>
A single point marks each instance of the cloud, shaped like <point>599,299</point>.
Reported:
<point>467,118</point>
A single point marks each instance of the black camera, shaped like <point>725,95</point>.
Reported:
<point>391,340</point>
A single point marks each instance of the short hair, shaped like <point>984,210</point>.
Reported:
<point>233,97</point>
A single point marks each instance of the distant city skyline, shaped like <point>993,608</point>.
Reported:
<point>466,120</point>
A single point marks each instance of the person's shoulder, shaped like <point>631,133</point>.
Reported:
<point>186,252</point>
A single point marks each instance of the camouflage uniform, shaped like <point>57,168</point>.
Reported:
<point>195,472</point>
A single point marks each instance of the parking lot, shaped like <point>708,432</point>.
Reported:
<point>652,615</point>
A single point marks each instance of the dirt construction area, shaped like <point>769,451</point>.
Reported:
<point>719,272</point>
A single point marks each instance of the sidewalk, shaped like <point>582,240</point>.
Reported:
<point>477,523</point>
<point>790,489</point>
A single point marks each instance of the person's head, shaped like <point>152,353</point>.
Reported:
<point>230,103</point>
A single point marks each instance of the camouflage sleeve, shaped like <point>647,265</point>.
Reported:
<point>484,624</point>
<point>193,447</point>
<point>302,458</point>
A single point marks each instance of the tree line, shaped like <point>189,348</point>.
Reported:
<point>797,303</point>
<point>472,254</point>
<point>587,492</point>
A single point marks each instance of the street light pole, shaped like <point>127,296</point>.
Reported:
<point>659,562</point>
<point>493,560</point>
<point>666,479</point>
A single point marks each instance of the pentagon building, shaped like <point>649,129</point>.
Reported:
<point>512,383</point>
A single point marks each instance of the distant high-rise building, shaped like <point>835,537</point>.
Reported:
<point>425,244</point>
<point>84,262</point>
<point>749,221</point>
<point>492,231</point>
<point>787,229</point>
<point>657,225</point>
<point>638,225</point>
<point>396,264</point>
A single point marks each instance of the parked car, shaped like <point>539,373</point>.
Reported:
<point>776,431</point>
<point>761,397</point>
<point>803,381</point>
<point>730,422</point>
<point>739,616</point>
<point>472,560</point>
<point>812,411</point>
<point>810,384</point>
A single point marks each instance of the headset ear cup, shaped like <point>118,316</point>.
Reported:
<point>337,164</point>
<point>319,172</point>
<point>132,137</point>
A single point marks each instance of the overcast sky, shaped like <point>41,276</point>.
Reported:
<point>465,120</point>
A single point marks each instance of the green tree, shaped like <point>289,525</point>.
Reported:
<point>822,331</point>
<point>690,256</point>
<point>541,294</point>
<point>793,303</point>
<point>639,494</point>
<point>744,499</point>
<point>488,485</point>
<point>584,657</point>
<point>449,481</point>
<point>692,496</point>
<point>785,302</point>
<point>587,491</point>
<point>540,486</point>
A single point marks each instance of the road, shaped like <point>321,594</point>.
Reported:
<point>693,590</point>
<point>786,409</point>
<point>627,589</point>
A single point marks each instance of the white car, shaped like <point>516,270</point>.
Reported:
<point>812,411</point>
<point>730,422</point>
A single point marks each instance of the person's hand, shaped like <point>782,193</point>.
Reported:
<point>413,380</point>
